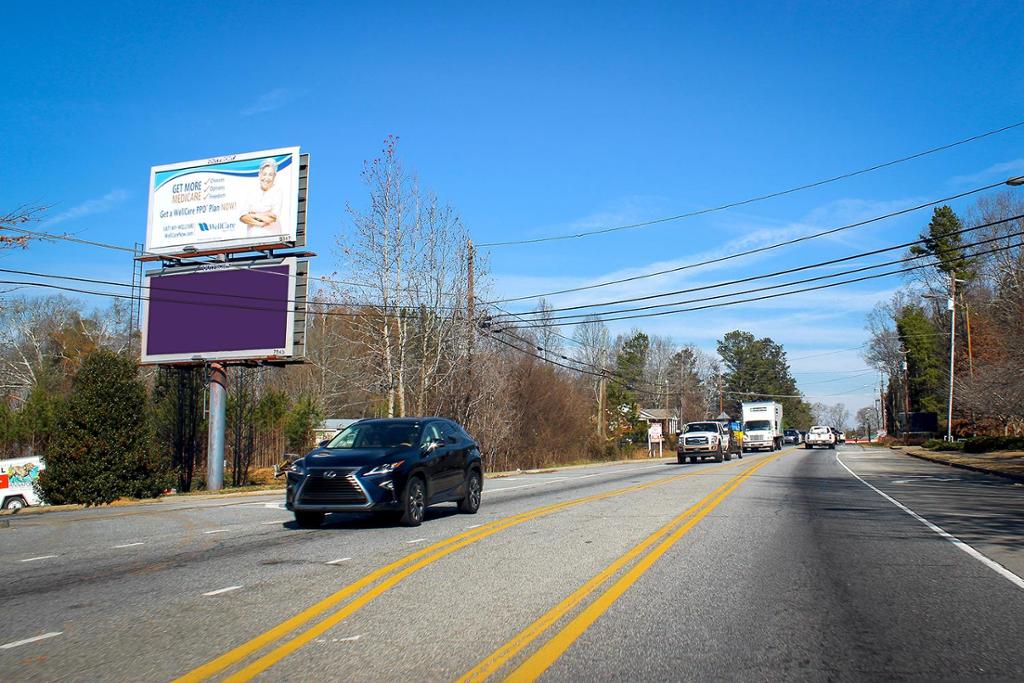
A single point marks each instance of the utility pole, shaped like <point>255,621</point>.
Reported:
<point>471,326</point>
<point>721,402</point>
<point>215,450</point>
<point>906,390</point>
<point>602,387</point>
<point>970,348</point>
<point>952,350</point>
<point>881,401</point>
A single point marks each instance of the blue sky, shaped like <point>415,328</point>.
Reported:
<point>534,120</point>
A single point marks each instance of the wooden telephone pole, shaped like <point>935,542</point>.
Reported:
<point>470,328</point>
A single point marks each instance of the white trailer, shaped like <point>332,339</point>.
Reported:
<point>17,479</point>
<point>762,426</point>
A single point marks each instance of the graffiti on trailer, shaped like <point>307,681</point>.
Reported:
<point>19,475</point>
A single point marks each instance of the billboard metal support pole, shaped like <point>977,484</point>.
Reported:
<point>218,403</point>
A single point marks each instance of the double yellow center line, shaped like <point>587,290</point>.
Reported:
<point>534,666</point>
<point>388,577</point>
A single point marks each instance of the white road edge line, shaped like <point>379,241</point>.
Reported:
<point>216,531</point>
<point>276,521</point>
<point>41,557</point>
<point>130,545</point>
<point>16,643</point>
<point>222,590</point>
<point>415,540</point>
<point>344,559</point>
<point>991,564</point>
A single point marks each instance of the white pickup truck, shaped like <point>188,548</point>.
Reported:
<point>820,435</point>
<point>703,439</point>
<point>17,479</point>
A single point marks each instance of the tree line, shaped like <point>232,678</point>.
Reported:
<point>981,272</point>
<point>400,329</point>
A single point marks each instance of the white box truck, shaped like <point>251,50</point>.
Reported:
<point>762,426</point>
<point>17,479</point>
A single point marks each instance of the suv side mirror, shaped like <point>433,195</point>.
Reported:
<point>323,443</point>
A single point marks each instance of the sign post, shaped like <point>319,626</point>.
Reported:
<point>654,436</point>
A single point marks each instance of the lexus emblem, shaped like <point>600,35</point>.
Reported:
<point>331,474</point>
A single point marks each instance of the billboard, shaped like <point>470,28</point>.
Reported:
<point>243,310</point>
<point>237,201</point>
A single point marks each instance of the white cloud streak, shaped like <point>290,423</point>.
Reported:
<point>90,207</point>
<point>269,101</point>
<point>994,172</point>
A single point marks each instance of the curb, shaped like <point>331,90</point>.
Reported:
<point>964,466</point>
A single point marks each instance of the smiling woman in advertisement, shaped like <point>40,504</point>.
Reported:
<point>264,206</point>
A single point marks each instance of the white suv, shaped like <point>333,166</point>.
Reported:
<point>819,435</point>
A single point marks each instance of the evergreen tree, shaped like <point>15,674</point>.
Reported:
<point>947,247</point>
<point>300,422</point>
<point>925,360</point>
<point>623,395</point>
<point>756,367</point>
<point>102,449</point>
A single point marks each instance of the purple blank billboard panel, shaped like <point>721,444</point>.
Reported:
<point>215,312</point>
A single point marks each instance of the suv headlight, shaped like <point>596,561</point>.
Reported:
<point>386,468</point>
<point>297,468</point>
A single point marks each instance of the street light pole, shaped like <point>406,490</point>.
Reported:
<point>952,354</point>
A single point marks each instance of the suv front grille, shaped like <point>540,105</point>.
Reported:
<point>342,489</point>
<point>696,441</point>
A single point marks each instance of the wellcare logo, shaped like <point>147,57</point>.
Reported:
<point>206,227</point>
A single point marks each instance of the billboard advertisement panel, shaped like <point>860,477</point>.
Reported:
<point>235,201</point>
<point>251,310</point>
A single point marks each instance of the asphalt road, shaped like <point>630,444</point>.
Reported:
<point>799,565</point>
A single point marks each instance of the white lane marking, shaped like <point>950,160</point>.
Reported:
<point>991,564</point>
<point>350,639</point>
<point>41,557</point>
<point>130,545</point>
<point>34,639</point>
<point>274,506</point>
<point>276,521</point>
<point>473,526</point>
<point>415,540</point>
<point>216,531</point>
<point>582,476</point>
<point>344,559</point>
<point>526,486</point>
<point>222,590</point>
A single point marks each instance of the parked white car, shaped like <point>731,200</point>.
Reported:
<point>17,479</point>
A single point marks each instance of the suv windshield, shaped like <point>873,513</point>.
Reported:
<point>377,435</point>
<point>701,427</point>
<point>757,425</point>
<point>790,432</point>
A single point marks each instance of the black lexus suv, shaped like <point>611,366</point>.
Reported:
<point>397,466</point>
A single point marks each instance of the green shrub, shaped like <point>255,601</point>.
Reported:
<point>102,449</point>
<point>939,445</point>
<point>984,444</point>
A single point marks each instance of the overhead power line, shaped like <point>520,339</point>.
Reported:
<point>759,198</point>
<point>780,285</point>
<point>757,250</point>
<point>776,295</point>
<point>787,271</point>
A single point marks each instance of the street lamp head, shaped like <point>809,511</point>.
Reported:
<point>1016,182</point>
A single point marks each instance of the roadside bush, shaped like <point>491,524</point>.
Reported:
<point>940,445</point>
<point>984,444</point>
<point>102,449</point>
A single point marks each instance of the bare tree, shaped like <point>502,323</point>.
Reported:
<point>407,257</point>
